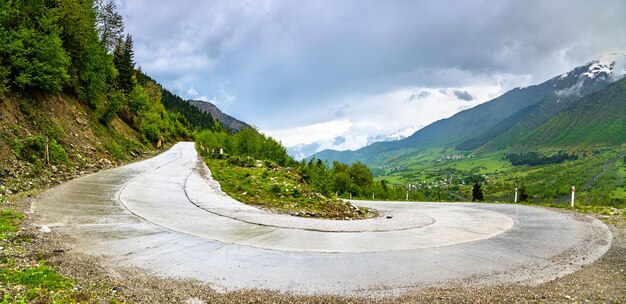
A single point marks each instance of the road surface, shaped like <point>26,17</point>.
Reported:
<point>167,216</point>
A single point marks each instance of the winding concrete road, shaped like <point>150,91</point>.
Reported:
<point>167,216</point>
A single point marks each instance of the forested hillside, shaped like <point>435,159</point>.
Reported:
<point>71,98</point>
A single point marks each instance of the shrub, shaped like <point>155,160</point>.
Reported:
<point>115,150</point>
<point>275,189</point>
<point>113,106</point>
<point>241,161</point>
<point>33,149</point>
<point>54,129</point>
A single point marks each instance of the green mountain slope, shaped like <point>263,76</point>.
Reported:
<point>595,120</point>
<point>577,83</point>
<point>224,119</point>
<point>451,131</point>
<point>496,124</point>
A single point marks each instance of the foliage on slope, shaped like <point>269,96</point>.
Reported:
<point>256,169</point>
<point>68,83</point>
<point>596,119</point>
<point>198,119</point>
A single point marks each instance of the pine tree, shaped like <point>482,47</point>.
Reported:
<point>522,195</point>
<point>123,60</point>
<point>91,70</point>
<point>110,25</point>
<point>477,193</point>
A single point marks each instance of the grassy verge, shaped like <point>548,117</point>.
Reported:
<point>25,281</point>
<point>33,269</point>
<point>280,189</point>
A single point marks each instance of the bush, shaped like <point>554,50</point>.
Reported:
<point>151,131</point>
<point>113,106</point>
<point>54,129</point>
<point>33,149</point>
<point>275,189</point>
<point>241,161</point>
<point>115,150</point>
<point>32,49</point>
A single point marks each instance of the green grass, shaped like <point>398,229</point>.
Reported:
<point>36,277</point>
<point>32,281</point>
<point>620,175</point>
<point>280,189</point>
<point>425,167</point>
<point>9,221</point>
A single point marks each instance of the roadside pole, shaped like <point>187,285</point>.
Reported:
<point>573,193</point>
<point>407,195</point>
<point>515,194</point>
<point>47,152</point>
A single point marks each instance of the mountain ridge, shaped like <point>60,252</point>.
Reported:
<point>226,120</point>
<point>517,112</point>
<point>597,119</point>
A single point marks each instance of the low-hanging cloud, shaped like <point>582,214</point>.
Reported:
<point>463,95</point>
<point>418,96</point>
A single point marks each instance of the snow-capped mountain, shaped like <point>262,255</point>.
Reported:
<point>398,135</point>
<point>611,64</point>
<point>502,122</point>
<point>592,76</point>
<point>302,151</point>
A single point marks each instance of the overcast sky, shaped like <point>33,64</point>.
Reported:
<point>307,70</point>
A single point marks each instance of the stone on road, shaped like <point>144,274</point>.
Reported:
<point>167,216</point>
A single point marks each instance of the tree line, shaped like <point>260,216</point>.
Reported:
<point>536,158</point>
<point>247,146</point>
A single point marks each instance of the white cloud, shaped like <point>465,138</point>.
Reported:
<point>366,116</point>
<point>193,94</point>
<point>310,133</point>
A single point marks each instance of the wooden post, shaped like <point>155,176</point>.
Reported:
<point>47,152</point>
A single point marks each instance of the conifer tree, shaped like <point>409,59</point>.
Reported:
<point>523,196</point>
<point>123,60</point>
<point>110,25</point>
<point>477,193</point>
